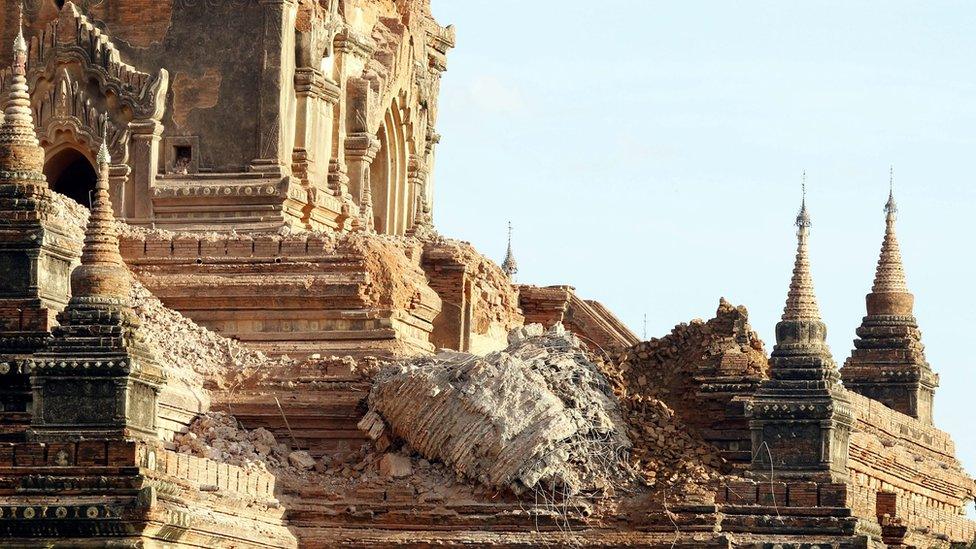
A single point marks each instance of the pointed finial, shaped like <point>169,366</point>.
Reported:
<point>103,155</point>
<point>803,218</point>
<point>20,45</point>
<point>509,265</point>
<point>891,208</point>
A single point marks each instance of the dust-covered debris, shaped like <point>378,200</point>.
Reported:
<point>219,436</point>
<point>192,352</point>
<point>537,416</point>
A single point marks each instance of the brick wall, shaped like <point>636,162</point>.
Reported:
<point>912,466</point>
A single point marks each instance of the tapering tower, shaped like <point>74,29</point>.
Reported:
<point>888,362</point>
<point>509,265</point>
<point>37,248</point>
<point>801,418</point>
<point>98,379</point>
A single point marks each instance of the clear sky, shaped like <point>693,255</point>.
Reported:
<point>649,153</point>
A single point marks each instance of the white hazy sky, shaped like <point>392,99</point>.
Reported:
<point>649,154</point>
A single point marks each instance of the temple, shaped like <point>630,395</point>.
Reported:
<point>227,319</point>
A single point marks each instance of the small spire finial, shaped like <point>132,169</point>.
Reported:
<point>890,277</point>
<point>891,208</point>
<point>509,265</point>
<point>20,45</point>
<point>803,218</point>
<point>104,157</point>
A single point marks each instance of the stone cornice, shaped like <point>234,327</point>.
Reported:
<point>350,42</point>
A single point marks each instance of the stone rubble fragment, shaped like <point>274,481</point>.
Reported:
<point>220,437</point>
<point>395,466</point>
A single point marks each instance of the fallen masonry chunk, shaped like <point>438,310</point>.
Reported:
<point>395,466</point>
<point>301,460</point>
<point>538,415</point>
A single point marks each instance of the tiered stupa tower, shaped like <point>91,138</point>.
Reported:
<point>801,418</point>
<point>888,362</point>
<point>98,379</point>
<point>36,249</point>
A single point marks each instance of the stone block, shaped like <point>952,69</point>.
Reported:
<point>6,455</point>
<point>30,454</point>
<point>61,454</point>
<point>743,493</point>
<point>887,504</point>
<point>833,495</point>
<point>122,454</point>
<point>395,466</point>
<point>92,453</point>
<point>772,494</point>
<point>803,494</point>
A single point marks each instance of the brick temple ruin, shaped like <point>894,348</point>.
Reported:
<point>227,320</point>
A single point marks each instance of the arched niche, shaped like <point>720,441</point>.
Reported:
<point>81,90</point>
<point>67,144</point>
<point>71,172</point>
<point>388,175</point>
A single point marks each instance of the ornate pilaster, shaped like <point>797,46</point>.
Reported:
<point>888,362</point>
<point>421,219</point>
<point>317,96</point>
<point>276,100</point>
<point>97,379</point>
<point>361,149</point>
<point>801,418</point>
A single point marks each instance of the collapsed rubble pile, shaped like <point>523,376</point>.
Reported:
<point>657,383</point>
<point>538,416</point>
<point>219,437</point>
<point>666,454</point>
<point>72,217</point>
<point>673,367</point>
<point>191,352</point>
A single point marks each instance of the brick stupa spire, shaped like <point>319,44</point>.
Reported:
<point>21,156</point>
<point>888,363</point>
<point>890,277</point>
<point>98,372</point>
<point>801,300</point>
<point>801,417</point>
<point>102,276</point>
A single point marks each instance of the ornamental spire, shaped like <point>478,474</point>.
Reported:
<point>20,45</point>
<point>104,157</point>
<point>801,301</point>
<point>102,274</point>
<point>890,277</point>
<point>509,265</point>
<point>18,124</point>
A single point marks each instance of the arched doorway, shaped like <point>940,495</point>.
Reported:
<point>70,173</point>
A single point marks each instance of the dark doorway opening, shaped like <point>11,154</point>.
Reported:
<point>70,173</point>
